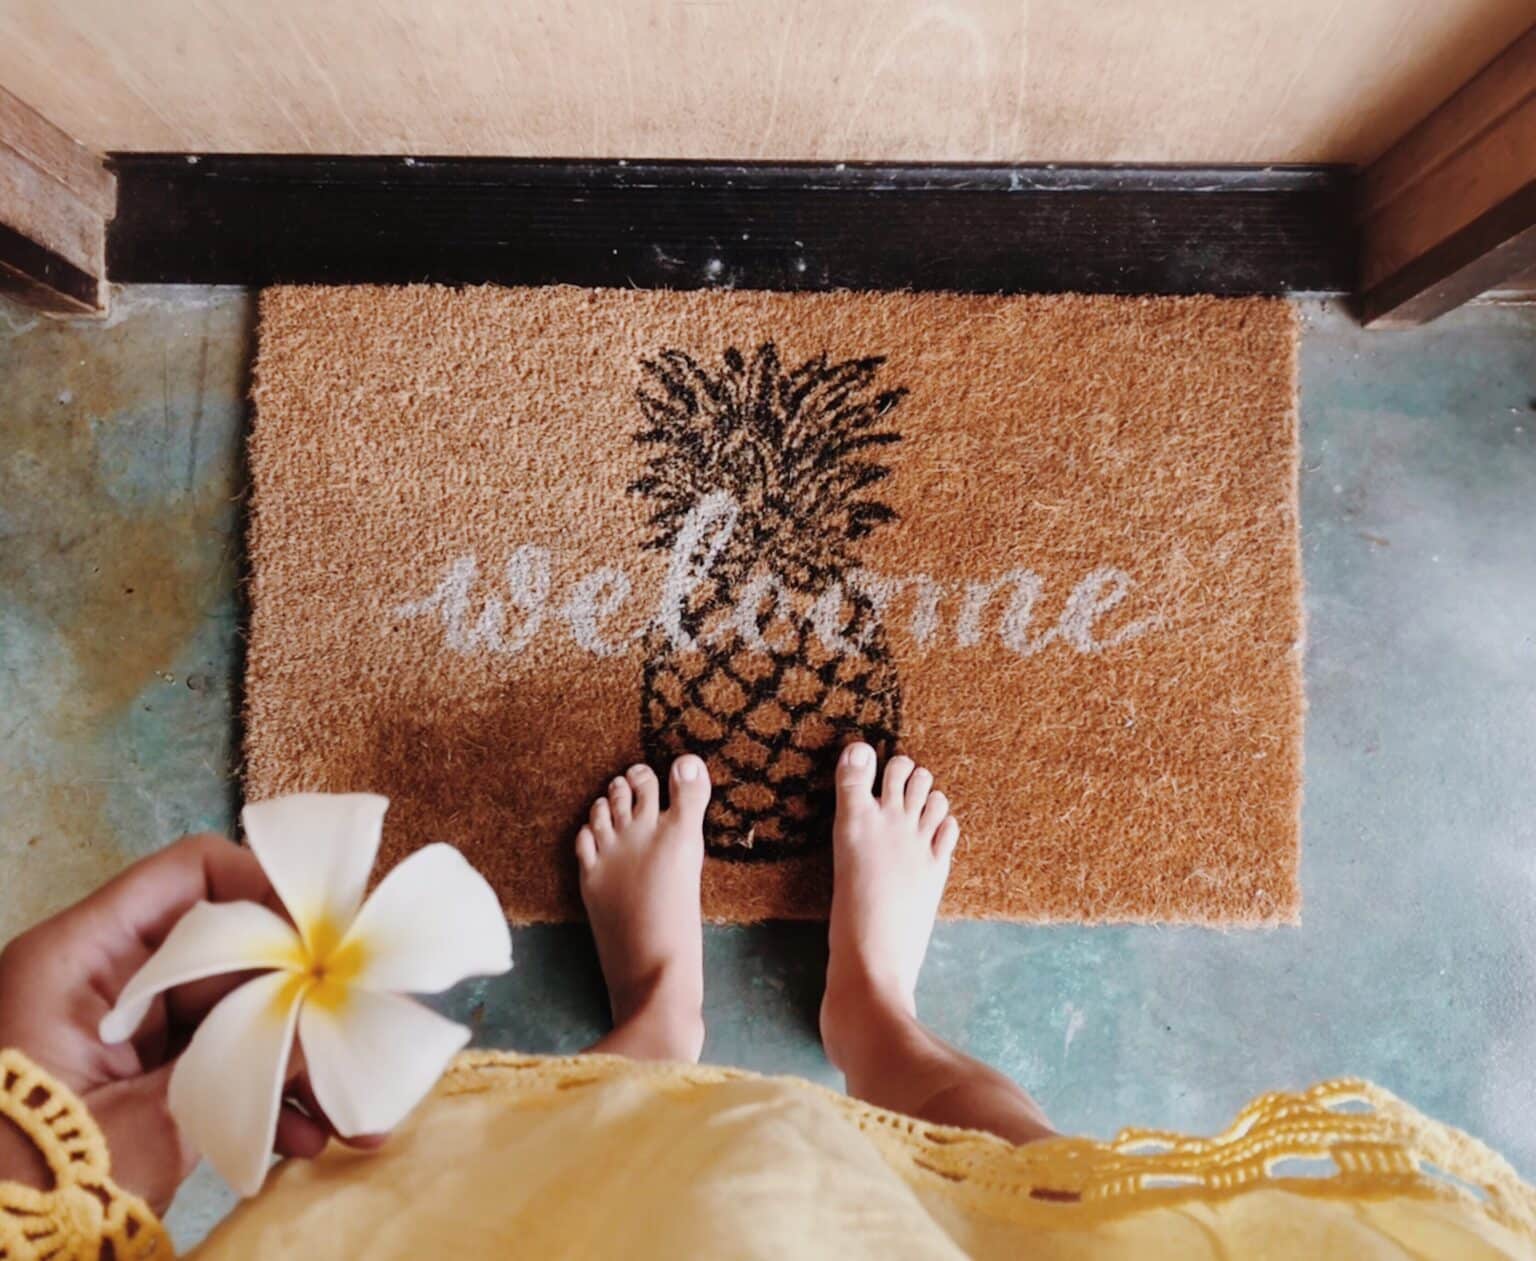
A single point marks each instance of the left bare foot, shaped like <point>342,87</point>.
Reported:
<point>640,869</point>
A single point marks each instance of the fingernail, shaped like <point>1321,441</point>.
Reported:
<point>687,769</point>
<point>860,755</point>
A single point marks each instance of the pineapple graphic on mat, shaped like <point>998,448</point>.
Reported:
<point>775,659</point>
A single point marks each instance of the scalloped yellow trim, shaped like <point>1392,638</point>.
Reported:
<point>84,1208</point>
<point>1377,1145</point>
<point>1381,1149</point>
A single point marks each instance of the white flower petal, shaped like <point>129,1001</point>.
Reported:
<point>317,850</point>
<point>430,923</point>
<point>209,940</point>
<point>228,1084</point>
<point>373,1057</point>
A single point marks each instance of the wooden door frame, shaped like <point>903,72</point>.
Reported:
<point>56,198</point>
<point>1447,213</point>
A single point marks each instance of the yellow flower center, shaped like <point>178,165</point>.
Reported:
<point>323,967</point>
<point>331,976</point>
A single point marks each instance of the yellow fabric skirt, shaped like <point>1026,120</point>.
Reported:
<point>600,1157</point>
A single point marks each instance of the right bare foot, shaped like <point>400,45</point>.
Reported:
<point>640,870</point>
<point>890,858</point>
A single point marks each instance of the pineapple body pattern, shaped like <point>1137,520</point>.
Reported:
<point>777,658</point>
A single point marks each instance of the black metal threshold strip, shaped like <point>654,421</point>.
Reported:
<point>250,219</point>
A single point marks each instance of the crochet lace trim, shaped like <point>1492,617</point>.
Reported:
<point>1372,1144</point>
<point>1355,1140</point>
<point>84,1209</point>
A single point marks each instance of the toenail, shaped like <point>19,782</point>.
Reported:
<point>860,755</point>
<point>639,768</point>
<point>687,768</point>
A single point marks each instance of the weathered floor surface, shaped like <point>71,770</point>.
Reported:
<point>120,477</point>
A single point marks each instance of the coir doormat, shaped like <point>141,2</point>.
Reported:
<point>506,542</point>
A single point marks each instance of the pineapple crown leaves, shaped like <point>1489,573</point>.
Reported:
<point>795,448</point>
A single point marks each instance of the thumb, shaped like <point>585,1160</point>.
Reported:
<point>148,1153</point>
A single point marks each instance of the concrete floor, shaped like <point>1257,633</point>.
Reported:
<point>120,476</point>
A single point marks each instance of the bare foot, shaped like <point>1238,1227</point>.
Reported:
<point>890,857</point>
<point>640,868</point>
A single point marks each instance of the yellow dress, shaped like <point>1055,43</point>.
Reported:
<point>600,1157</point>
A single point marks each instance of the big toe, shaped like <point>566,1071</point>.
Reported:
<point>855,775</point>
<point>690,788</point>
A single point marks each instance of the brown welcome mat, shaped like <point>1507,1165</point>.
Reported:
<point>507,541</point>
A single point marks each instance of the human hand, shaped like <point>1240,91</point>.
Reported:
<point>58,980</point>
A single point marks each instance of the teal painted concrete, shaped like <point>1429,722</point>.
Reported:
<point>120,473</point>
<point>119,654</point>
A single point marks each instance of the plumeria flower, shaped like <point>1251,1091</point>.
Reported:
<point>337,976</point>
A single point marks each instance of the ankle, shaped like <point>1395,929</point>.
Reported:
<point>860,1012</point>
<point>661,1018</point>
<point>672,1037</point>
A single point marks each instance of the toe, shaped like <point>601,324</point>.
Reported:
<point>945,839</point>
<point>601,820</point>
<point>935,811</point>
<point>621,801</point>
<point>646,790</point>
<point>897,771</point>
<point>690,789</point>
<point>586,849</point>
<point>918,788</point>
<point>855,775</point>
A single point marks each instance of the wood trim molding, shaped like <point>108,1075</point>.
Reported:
<point>1450,210</point>
<point>55,200</point>
<point>253,220</point>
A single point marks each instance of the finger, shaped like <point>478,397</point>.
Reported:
<point>112,932</point>
<point>186,1005</point>
<point>149,1156</point>
<point>152,1040</point>
<point>145,901</point>
<point>363,1142</point>
<point>80,959</point>
<point>299,1135</point>
<point>303,1093</point>
<point>307,1118</point>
